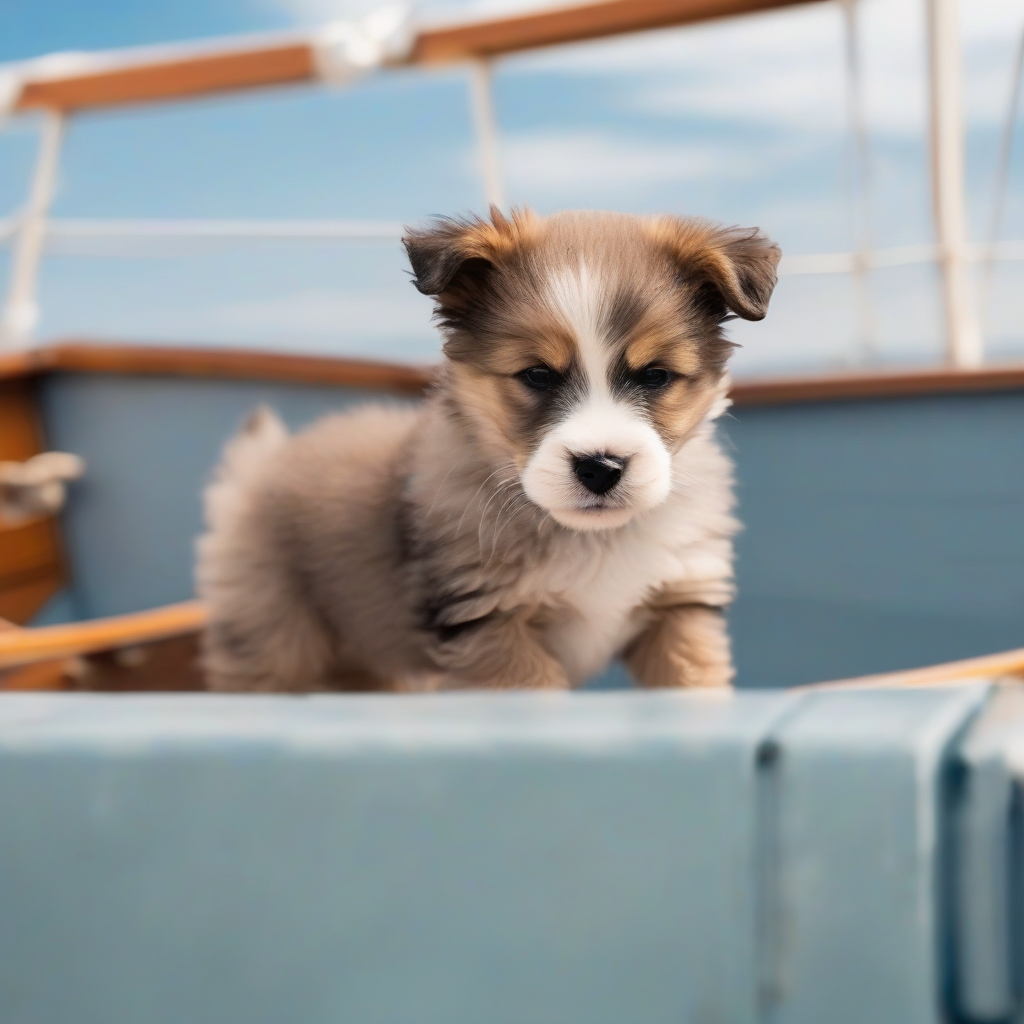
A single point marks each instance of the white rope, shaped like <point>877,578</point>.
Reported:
<point>1002,178</point>
<point>11,85</point>
<point>345,49</point>
<point>859,178</point>
<point>74,235</point>
<point>346,230</point>
<point>21,310</point>
<point>36,487</point>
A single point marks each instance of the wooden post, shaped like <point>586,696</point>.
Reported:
<point>963,338</point>
<point>486,131</point>
<point>21,312</point>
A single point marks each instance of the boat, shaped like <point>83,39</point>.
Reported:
<point>881,507</point>
<point>837,840</point>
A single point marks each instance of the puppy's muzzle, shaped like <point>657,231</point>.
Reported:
<point>598,473</point>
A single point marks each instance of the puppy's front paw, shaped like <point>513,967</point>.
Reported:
<point>686,646</point>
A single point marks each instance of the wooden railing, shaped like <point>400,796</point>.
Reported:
<point>50,646</point>
<point>178,72</point>
<point>240,364</point>
<point>46,643</point>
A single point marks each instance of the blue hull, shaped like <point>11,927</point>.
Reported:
<point>880,534</point>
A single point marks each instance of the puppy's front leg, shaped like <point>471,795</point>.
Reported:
<point>503,651</point>
<point>686,645</point>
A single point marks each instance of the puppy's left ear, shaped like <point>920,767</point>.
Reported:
<point>740,262</point>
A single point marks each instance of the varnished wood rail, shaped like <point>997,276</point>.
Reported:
<point>20,647</point>
<point>89,356</point>
<point>48,643</point>
<point>221,363</point>
<point>988,666</point>
<point>162,73</point>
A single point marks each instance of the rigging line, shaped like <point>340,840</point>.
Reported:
<point>859,177</point>
<point>1002,178</point>
<point>481,94</point>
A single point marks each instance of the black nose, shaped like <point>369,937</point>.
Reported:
<point>598,473</point>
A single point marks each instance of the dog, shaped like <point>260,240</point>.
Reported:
<point>558,500</point>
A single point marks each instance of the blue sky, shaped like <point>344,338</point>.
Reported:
<point>740,121</point>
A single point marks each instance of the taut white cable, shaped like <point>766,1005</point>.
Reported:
<point>486,131</point>
<point>860,177</point>
<point>1002,177</point>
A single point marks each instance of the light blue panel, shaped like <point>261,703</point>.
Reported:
<point>453,859</point>
<point>150,444</point>
<point>985,894</point>
<point>853,855</point>
<point>878,534</point>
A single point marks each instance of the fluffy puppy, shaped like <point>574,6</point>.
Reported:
<point>559,498</point>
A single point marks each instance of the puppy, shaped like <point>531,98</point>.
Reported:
<point>558,500</point>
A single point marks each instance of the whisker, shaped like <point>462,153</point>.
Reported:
<point>484,483</point>
<point>518,503</point>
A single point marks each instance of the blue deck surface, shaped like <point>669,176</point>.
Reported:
<point>879,534</point>
<point>651,858</point>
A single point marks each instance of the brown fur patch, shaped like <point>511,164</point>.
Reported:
<point>686,646</point>
<point>406,548</point>
<point>671,283</point>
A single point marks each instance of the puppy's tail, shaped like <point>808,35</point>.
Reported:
<point>259,636</point>
<point>262,434</point>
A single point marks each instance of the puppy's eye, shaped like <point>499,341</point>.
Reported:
<point>655,377</point>
<point>540,378</point>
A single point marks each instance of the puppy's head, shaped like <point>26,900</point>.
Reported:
<point>586,347</point>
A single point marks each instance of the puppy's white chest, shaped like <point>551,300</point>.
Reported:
<point>596,592</point>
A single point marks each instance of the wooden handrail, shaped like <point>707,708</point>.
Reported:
<point>831,387</point>
<point>242,364</point>
<point>574,24</point>
<point>230,364</point>
<point>988,666</point>
<point>48,643</point>
<point>179,72</point>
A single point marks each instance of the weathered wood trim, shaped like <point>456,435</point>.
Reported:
<point>51,644</point>
<point>94,357</point>
<point>879,384</point>
<point>181,72</point>
<point>90,357</point>
<point>988,666</point>
<point>32,565</point>
<point>575,24</point>
<point>48,643</point>
<point>173,78</point>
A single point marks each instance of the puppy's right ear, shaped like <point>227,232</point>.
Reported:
<point>454,252</point>
<point>447,250</point>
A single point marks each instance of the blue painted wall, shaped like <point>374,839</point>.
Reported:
<point>150,444</point>
<point>879,534</point>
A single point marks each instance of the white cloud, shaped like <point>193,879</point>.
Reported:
<point>371,314</point>
<point>567,161</point>
<point>583,165</point>
<point>787,68</point>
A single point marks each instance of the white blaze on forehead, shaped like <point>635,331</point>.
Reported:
<point>598,423</point>
<point>578,296</point>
